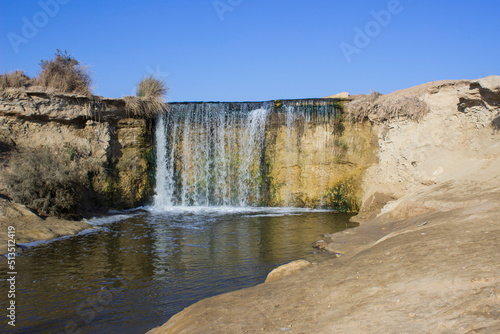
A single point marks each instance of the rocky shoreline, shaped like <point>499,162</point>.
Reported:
<point>30,227</point>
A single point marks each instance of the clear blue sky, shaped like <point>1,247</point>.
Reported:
<point>256,49</point>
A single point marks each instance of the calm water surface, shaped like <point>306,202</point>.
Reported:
<point>142,267</point>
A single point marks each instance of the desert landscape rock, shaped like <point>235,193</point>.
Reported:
<point>425,257</point>
<point>343,95</point>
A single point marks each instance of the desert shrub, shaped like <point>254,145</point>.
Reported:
<point>149,100</point>
<point>64,74</point>
<point>46,182</point>
<point>151,87</point>
<point>381,108</point>
<point>15,79</point>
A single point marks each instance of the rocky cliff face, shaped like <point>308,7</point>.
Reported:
<point>456,142</point>
<point>113,150</point>
<point>321,166</point>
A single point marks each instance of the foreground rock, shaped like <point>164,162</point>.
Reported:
<point>426,262</point>
<point>30,227</point>
<point>287,269</point>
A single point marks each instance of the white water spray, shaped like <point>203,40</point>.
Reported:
<point>164,177</point>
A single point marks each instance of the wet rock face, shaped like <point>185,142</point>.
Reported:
<point>321,166</point>
<point>111,149</point>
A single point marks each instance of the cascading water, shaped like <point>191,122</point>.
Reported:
<point>214,154</point>
<point>208,154</point>
<point>164,177</point>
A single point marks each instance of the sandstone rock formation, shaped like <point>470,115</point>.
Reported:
<point>343,95</point>
<point>112,147</point>
<point>31,227</point>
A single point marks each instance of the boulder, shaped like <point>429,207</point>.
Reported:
<point>286,269</point>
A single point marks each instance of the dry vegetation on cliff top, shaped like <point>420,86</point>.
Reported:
<point>63,74</point>
<point>15,79</point>
<point>378,107</point>
<point>149,100</point>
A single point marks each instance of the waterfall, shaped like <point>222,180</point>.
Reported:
<point>214,153</point>
<point>290,118</point>
<point>209,154</point>
<point>250,153</point>
<point>164,177</point>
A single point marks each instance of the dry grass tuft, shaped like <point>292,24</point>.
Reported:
<point>147,107</point>
<point>15,79</point>
<point>149,100</point>
<point>378,107</point>
<point>151,87</point>
<point>65,74</point>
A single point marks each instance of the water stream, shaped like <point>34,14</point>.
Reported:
<point>141,268</point>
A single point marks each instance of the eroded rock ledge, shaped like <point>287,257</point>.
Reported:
<point>112,145</point>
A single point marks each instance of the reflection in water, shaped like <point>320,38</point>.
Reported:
<point>136,273</point>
